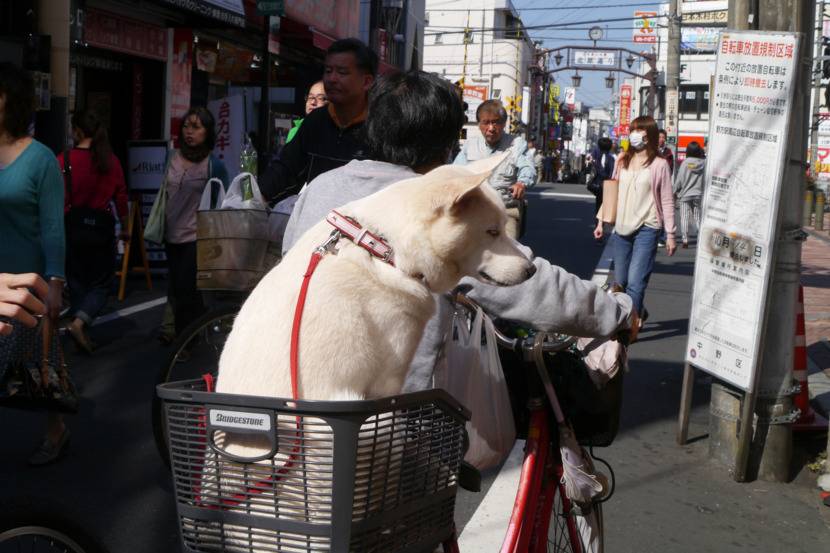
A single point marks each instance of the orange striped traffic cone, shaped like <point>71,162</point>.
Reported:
<point>809,420</point>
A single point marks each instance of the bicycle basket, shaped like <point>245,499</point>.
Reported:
<point>594,414</point>
<point>367,476</point>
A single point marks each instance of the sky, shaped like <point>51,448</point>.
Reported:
<point>618,34</point>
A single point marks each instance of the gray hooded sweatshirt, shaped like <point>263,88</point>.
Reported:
<point>688,182</point>
<point>551,300</point>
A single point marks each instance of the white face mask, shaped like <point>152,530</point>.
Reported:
<point>637,140</point>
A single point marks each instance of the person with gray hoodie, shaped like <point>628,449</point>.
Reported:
<point>413,122</point>
<point>688,189</point>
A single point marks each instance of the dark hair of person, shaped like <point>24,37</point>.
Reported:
<point>90,126</point>
<point>18,89</point>
<point>663,132</point>
<point>414,119</point>
<point>493,107</point>
<point>604,144</point>
<point>693,149</point>
<point>647,124</point>
<point>364,57</point>
<point>200,152</point>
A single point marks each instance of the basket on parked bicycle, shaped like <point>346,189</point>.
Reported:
<point>368,476</point>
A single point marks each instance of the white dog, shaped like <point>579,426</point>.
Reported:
<point>364,318</point>
<point>362,321</point>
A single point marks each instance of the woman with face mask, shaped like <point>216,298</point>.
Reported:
<point>645,205</point>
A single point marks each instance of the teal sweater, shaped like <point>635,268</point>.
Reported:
<point>31,214</point>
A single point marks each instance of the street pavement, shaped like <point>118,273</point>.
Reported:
<point>668,498</point>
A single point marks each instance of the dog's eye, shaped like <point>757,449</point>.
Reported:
<point>493,232</point>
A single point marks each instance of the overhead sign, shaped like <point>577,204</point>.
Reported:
<point>645,27</point>
<point>708,17</point>
<point>625,109</point>
<point>699,40</point>
<point>594,58</point>
<point>228,11</point>
<point>270,7</point>
<point>754,81</point>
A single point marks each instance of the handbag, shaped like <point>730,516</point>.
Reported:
<point>34,374</point>
<point>84,223</point>
<point>473,375</point>
<point>154,229</point>
<point>608,210</point>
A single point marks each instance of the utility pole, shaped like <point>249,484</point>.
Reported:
<point>768,446</point>
<point>673,68</point>
<point>817,76</point>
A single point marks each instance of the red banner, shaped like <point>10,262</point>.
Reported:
<point>180,70</point>
<point>113,32</point>
<point>625,109</point>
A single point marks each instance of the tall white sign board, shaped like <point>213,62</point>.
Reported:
<point>747,144</point>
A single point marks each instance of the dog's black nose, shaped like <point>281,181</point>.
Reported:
<point>531,270</point>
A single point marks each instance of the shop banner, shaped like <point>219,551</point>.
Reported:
<point>474,96</point>
<point>119,34</point>
<point>671,113</point>
<point>229,113</point>
<point>625,109</point>
<point>227,11</point>
<point>754,81</point>
<point>570,97</point>
<point>181,71</point>
<point>645,27</point>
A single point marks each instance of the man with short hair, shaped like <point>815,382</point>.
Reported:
<point>515,174</point>
<point>330,137</point>
<point>413,123</point>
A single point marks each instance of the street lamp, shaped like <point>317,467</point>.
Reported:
<point>576,79</point>
<point>558,58</point>
<point>629,61</point>
<point>609,80</point>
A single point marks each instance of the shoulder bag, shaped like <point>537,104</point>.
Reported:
<point>154,229</point>
<point>85,224</point>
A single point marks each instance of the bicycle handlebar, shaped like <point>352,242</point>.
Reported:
<point>557,342</point>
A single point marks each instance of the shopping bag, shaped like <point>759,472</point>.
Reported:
<point>243,193</point>
<point>608,209</point>
<point>473,375</point>
<point>603,357</point>
<point>154,229</point>
<point>209,200</point>
<point>33,371</point>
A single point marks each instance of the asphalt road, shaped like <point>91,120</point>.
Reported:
<point>668,498</point>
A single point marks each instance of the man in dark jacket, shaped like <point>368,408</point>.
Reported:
<point>604,167</point>
<point>332,136</point>
<point>664,151</point>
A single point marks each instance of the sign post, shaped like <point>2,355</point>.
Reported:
<point>754,85</point>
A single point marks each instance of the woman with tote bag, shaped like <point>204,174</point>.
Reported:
<point>173,217</point>
<point>644,206</point>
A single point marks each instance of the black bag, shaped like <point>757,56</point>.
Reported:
<point>85,224</point>
<point>592,181</point>
<point>33,372</point>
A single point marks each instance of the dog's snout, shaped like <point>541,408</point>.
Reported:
<point>530,271</point>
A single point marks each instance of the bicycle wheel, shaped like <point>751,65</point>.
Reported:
<point>571,528</point>
<point>35,531</point>
<point>194,353</point>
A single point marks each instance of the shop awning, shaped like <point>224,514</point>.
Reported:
<point>231,12</point>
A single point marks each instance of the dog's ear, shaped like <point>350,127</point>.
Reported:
<point>463,191</point>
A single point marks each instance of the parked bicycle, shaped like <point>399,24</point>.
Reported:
<point>40,528</point>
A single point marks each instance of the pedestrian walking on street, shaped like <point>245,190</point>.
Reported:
<point>645,206</point>
<point>664,151</point>
<point>604,164</point>
<point>32,227</point>
<point>188,170</point>
<point>688,188</point>
<point>93,180</point>
<point>537,157</point>
<point>515,174</point>
<point>330,137</point>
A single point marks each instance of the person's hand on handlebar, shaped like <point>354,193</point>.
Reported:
<point>22,297</point>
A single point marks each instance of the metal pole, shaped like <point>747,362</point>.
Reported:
<point>265,98</point>
<point>816,93</point>
<point>771,449</point>
<point>673,66</point>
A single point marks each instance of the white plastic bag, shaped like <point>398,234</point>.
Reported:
<point>238,198</point>
<point>473,375</point>
<point>206,204</point>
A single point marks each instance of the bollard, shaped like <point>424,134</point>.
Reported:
<point>818,224</point>
<point>808,208</point>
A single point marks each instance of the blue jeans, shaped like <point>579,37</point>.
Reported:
<point>633,262</point>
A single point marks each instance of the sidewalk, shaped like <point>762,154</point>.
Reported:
<point>815,278</point>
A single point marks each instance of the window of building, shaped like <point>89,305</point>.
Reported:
<point>439,38</point>
<point>694,101</point>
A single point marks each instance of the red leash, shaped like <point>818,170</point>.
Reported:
<point>298,317</point>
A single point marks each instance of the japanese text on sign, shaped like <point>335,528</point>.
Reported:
<point>746,148</point>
